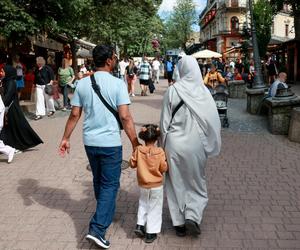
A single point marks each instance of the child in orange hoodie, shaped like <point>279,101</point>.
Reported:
<point>150,162</point>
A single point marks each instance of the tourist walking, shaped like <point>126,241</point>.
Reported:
<point>17,133</point>
<point>20,67</point>
<point>145,75</point>
<point>99,96</point>
<point>169,69</point>
<point>156,71</point>
<point>190,132</point>
<point>272,70</point>
<point>150,162</point>
<point>66,77</point>
<point>123,64</point>
<point>130,73</point>
<point>44,75</point>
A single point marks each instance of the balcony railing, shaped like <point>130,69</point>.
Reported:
<point>230,32</point>
<point>232,4</point>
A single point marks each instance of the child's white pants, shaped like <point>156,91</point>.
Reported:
<point>150,209</point>
<point>41,99</point>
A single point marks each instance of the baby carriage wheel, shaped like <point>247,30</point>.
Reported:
<point>225,123</point>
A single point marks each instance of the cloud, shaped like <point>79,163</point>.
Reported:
<point>167,6</point>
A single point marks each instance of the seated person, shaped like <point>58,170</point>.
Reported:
<point>213,78</point>
<point>237,75</point>
<point>228,74</point>
<point>280,82</point>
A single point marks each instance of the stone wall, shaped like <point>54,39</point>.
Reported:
<point>254,100</point>
<point>237,89</point>
<point>279,113</point>
<point>294,130</point>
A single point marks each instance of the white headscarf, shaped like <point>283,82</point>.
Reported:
<point>199,101</point>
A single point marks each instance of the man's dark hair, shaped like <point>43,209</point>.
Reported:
<point>101,53</point>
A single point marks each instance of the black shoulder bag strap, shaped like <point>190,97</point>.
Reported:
<point>176,109</point>
<point>98,92</point>
<point>173,114</point>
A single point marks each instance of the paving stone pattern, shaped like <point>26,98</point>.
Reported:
<point>254,191</point>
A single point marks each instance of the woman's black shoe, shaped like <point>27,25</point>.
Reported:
<point>180,231</point>
<point>149,238</point>
<point>139,231</point>
<point>192,227</point>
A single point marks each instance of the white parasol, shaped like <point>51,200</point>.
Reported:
<point>206,54</point>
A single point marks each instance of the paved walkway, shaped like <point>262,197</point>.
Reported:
<point>254,191</point>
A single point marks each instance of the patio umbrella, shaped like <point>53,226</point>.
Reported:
<point>206,54</point>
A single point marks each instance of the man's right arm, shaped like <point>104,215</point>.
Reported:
<point>128,125</point>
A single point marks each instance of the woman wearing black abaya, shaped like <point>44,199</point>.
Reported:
<point>17,132</point>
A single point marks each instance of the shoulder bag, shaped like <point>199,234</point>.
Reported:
<point>98,92</point>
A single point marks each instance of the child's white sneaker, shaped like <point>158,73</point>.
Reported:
<point>11,155</point>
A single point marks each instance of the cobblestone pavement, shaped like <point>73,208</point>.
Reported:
<point>254,191</point>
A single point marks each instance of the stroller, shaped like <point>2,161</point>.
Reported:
<point>220,95</point>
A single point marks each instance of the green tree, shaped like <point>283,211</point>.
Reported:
<point>52,18</point>
<point>16,23</point>
<point>178,27</point>
<point>76,22</point>
<point>263,16</point>
<point>129,24</point>
<point>295,5</point>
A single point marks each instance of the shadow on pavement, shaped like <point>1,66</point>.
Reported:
<point>31,192</point>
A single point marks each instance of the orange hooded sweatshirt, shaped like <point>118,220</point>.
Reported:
<point>151,164</point>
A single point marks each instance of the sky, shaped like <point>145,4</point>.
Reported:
<point>167,7</point>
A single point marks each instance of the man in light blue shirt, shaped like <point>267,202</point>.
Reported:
<point>280,82</point>
<point>102,136</point>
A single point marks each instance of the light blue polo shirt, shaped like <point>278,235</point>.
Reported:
<point>100,127</point>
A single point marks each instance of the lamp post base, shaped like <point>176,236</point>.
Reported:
<point>254,99</point>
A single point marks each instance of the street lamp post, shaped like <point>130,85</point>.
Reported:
<point>258,80</point>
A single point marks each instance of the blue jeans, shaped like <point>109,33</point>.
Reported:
<point>105,163</point>
<point>64,91</point>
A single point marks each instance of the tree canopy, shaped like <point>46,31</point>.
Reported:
<point>132,26</point>
<point>129,24</point>
<point>178,27</point>
<point>263,16</point>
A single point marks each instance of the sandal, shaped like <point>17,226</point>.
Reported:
<point>51,113</point>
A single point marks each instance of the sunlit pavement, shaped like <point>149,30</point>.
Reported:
<point>254,190</point>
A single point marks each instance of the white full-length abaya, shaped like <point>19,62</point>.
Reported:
<point>189,138</point>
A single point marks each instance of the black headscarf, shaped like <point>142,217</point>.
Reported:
<point>10,73</point>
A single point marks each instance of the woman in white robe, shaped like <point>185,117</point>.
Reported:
<point>192,135</point>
